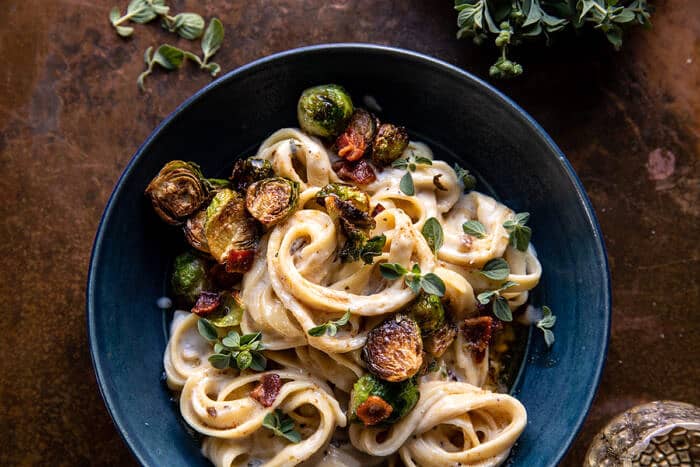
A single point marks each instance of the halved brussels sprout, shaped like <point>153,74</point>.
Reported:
<point>189,277</point>
<point>357,137</point>
<point>376,402</point>
<point>324,110</point>
<point>350,207</point>
<point>248,171</point>
<point>194,231</point>
<point>231,234</point>
<point>440,339</point>
<point>177,191</point>
<point>394,349</point>
<point>229,312</point>
<point>389,143</point>
<point>428,312</point>
<point>272,200</point>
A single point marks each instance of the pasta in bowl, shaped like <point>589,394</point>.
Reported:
<point>342,300</point>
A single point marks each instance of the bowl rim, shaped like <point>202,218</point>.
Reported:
<point>137,449</point>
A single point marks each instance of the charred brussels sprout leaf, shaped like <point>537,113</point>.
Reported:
<point>248,171</point>
<point>272,200</point>
<point>231,234</point>
<point>177,191</point>
<point>189,277</point>
<point>324,110</point>
<point>357,137</point>
<point>394,349</point>
<point>377,402</point>
<point>194,231</point>
<point>358,198</point>
<point>230,311</point>
<point>389,143</point>
<point>428,313</point>
<point>437,342</point>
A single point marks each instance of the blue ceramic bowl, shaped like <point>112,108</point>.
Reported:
<point>464,119</point>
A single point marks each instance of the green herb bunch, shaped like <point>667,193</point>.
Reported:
<point>171,58</point>
<point>511,22</point>
<point>430,282</point>
<point>187,25</point>
<point>233,350</point>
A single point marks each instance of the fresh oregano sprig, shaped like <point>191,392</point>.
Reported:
<point>546,324</point>
<point>467,180</point>
<point>501,309</point>
<point>233,350</point>
<point>519,233</point>
<point>430,282</point>
<point>433,234</point>
<point>330,327</point>
<point>409,163</point>
<point>138,11</point>
<point>171,58</point>
<point>282,425</point>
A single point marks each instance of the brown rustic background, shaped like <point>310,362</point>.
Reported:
<point>71,117</point>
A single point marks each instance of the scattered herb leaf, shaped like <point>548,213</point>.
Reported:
<point>433,234</point>
<point>474,228</point>
<point>430,282</point>
<point>501,309</point>
<point>282,425</point>
<point>330,327</point>
<point>519,233</point>
<point>467,180</point>
<point>406,185</point>
<point>496,269</point>
<point>546,324</point>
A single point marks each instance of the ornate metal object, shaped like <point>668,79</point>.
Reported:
<point>661,433</point>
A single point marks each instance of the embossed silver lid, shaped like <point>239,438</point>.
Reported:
<point>661,433</point>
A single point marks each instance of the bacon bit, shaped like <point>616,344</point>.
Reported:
<point>478,333</point>
<point>212,412</point>
<point>267,390</point>
<point>374,410</point>
<point>378,209</point>
<point>239,260</point>
<point>207,303</point>
<point>438,184</point>
<point>351,145</point>
<point>359,172</point>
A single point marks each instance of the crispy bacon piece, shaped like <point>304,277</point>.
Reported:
<point>267,390</point>
<point>360,172</point>
<point>351,145</point>
<point>378,209</point>
<point>478,333</point>
<point>239,260</point>
<point>223,280</point>
<point>374,410</point>
<point>206,304</point>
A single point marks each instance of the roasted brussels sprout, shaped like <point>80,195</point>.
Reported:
<point>357,137</point>
<point>350,207</point>
<point>189,277</point>
<point>376,402</point>
<point>248,171</point>
<point>394,349</point>
<point>440,339</point>
<point>194,231</point>
<point>231,234</point>
<point>324,110</point>
<point>229,312</point>
<point>428,312</point>
<point>272,200</point>
<point>389,143</point>
<point>177,191</point>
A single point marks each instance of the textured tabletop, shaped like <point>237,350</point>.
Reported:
<point>71,116</point>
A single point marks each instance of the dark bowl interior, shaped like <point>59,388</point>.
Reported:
<point>463,119</point>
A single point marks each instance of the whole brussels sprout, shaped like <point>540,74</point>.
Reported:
<point>189,277</point>
<point>437,343</point>
<point>394,349</point>
<point>177,191</point>
<point>389,143</point>
<point>376,402</point>
<point>272,200</point>
<point>248,171</point>
<point>357,137</point>
<point>428,312</point>
<point>324,110</point>
<point>231,234</point>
